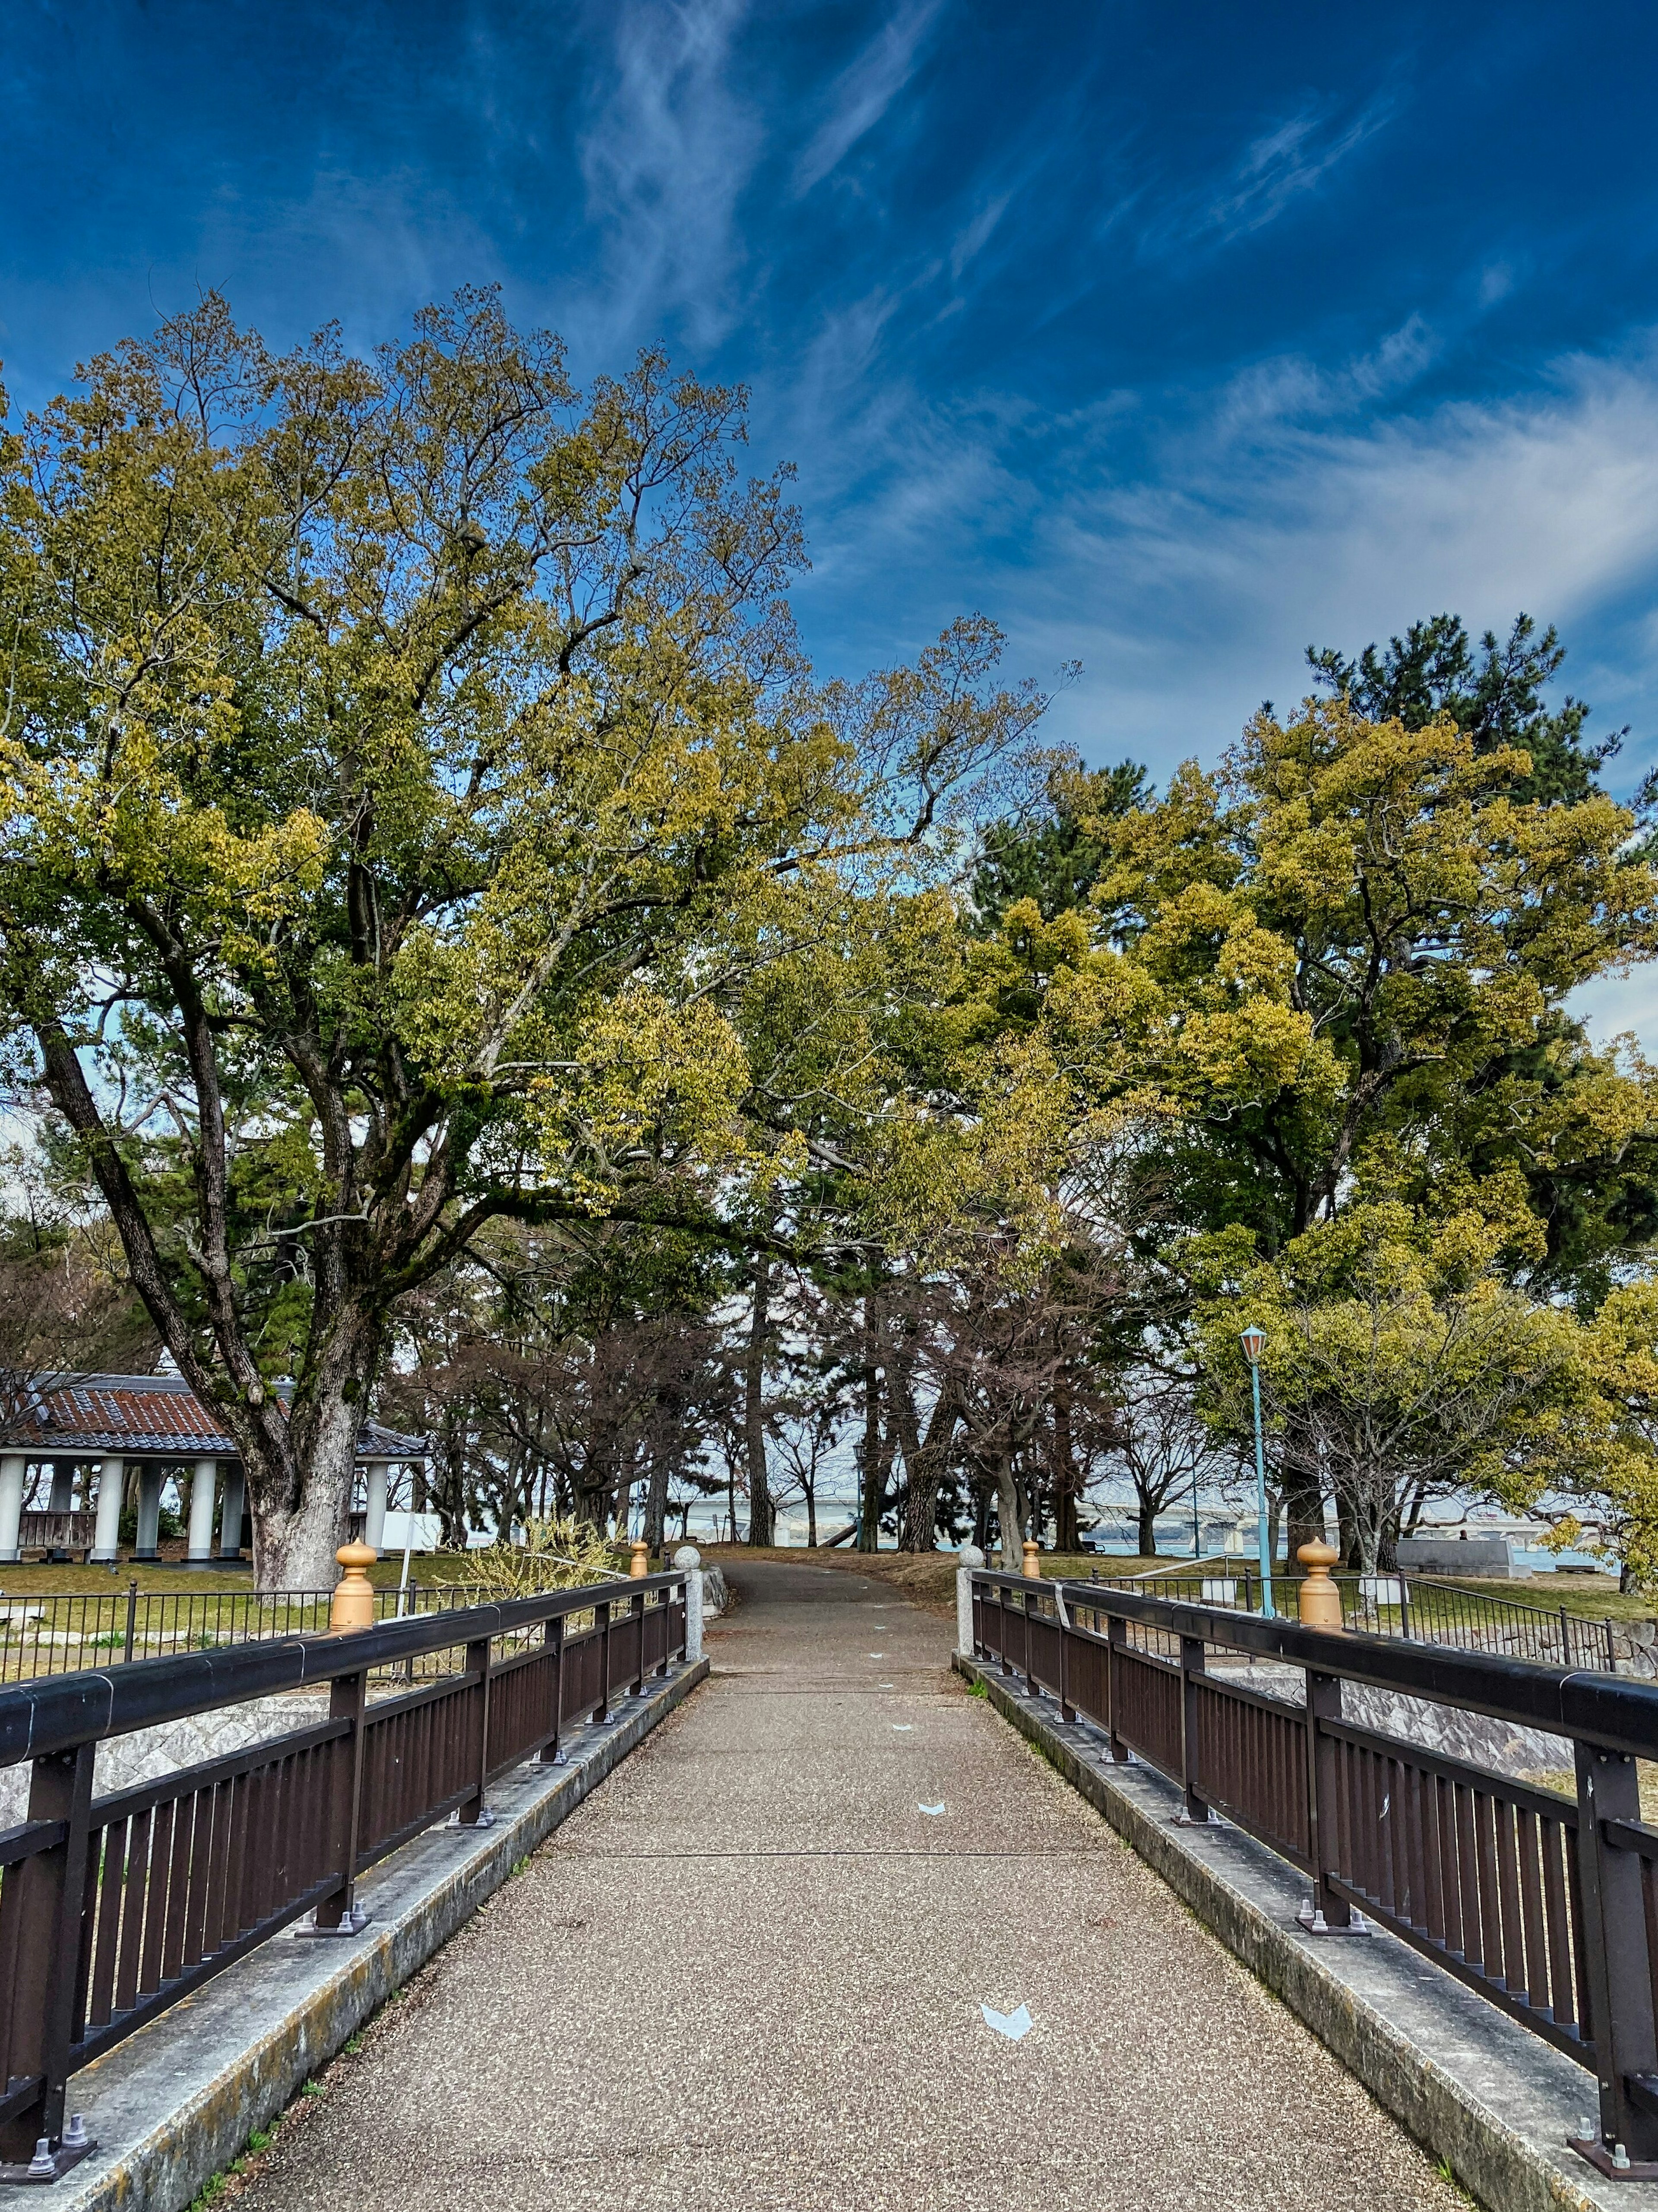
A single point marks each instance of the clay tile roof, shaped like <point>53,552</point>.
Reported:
<point>153,1415</point>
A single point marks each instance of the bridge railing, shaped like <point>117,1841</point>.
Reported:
<point>1417,1608</point>
<point>1545,1904</point>
<point>65,1632</point>
<point>113,1908</point>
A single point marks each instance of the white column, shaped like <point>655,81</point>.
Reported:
<point>971,1558</point>
<point>236,1484</point>
<point>373,1525</point>
<point>149,1510</point>
<point>107,1532</point>
<point>201,1514</point>
<point>688,1560</point>
<point>12,1467</point>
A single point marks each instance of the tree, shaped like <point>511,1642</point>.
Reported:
<point>1399,1366</point>
<point>1053,856</point>
<point>1430,674</point>
<point>1163,1444</point>
<point>408,768</point>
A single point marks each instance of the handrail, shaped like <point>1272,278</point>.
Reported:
<point>113,1908</point>
<point>60,1710</point>
<point>1607,1710</point>
<point>1533,1898</point>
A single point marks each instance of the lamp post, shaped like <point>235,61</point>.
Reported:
<point>1254,1343</point>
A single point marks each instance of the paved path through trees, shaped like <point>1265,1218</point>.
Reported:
<point>748,1973</point>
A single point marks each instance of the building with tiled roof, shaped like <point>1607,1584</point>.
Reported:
<point>138,1429</point>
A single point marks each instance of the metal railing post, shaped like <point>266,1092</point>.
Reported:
<point>601,1613</point>
<point>1192,1666</point>
<point>1025,1614</point>
<point>348,1700</point>
<point>552,1636</point>
<point>638,1609</point>
<point>41,1913</point>
<point>1066,1715</point>
<point>478,1660</point>
<point>1003,1652</point>
<point>131,1617</point>
<point>1116,1643</point>
<point>1323,1703</point>
<point>1618,1971</point>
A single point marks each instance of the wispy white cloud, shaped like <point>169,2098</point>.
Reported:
<point>865,91</point>
<point>667,148</point>
<point>1280,166</point>
<point>1189,548</point>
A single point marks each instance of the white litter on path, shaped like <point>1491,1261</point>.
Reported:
<point>935,1810</point>
<point>903,1727</point>
<point>1013,2025</point>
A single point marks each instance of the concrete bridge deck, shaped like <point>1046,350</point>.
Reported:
<point>748,1972</point>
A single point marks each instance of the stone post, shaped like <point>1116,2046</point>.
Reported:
<point>203,1485</point>
<point>150,1511</point>
<point>689,1560</point>
<point>106,1532</point>
<point>969,1558</point>
<point>374,1522</point>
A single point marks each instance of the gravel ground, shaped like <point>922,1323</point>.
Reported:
<point>748,1974</point>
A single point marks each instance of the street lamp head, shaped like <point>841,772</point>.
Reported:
<point>1254,1343</point>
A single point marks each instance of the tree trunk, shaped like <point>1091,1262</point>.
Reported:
<point>1146,1517</point>
<point>761,1517</point>
<point>924,1459</point>
<point>872,1483</point>
<point>1007,1506</point>
<point>656,1529</point>
<point>299,1475</point>
<point>1067,1536</point>
<point>1303,1506</point>
<point>811,1490</point>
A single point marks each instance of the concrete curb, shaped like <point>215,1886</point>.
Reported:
<point>176,2103</point>
<point>1472,2085</point>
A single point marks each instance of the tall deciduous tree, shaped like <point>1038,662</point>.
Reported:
<point>407,767</point>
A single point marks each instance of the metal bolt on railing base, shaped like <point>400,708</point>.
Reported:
<point>48,2165</point>
<point>1185,1820</point>
<point>348,1923</point>
<point>485,1820</point>
<point>1311,1920</point>
<point>1615,2163</point>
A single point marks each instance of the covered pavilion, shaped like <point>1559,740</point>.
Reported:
<point>150,1426</point>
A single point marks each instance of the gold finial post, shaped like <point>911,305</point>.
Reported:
<point>1321,1601</point>
<point>638,1564</point>
<point>1032,1560</point>
<point>354,1593</point>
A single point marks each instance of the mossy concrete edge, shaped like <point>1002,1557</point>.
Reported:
<point>1489,2158</point>
<point>164,2167</point>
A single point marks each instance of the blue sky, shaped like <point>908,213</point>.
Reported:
<point>1174,339</point>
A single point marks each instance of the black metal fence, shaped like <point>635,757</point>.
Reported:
<point>1417,1608</point>
<point>1547,1905</point>
<point>112,1909</point>
<point>66,1632</point>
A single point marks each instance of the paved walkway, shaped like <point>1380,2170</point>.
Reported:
<point>748,1974</point>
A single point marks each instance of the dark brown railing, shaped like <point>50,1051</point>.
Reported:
<point>66,1632</point>
<point>1546,1905</point>
<point>1426,1610</point>
<point>112,1909</point>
